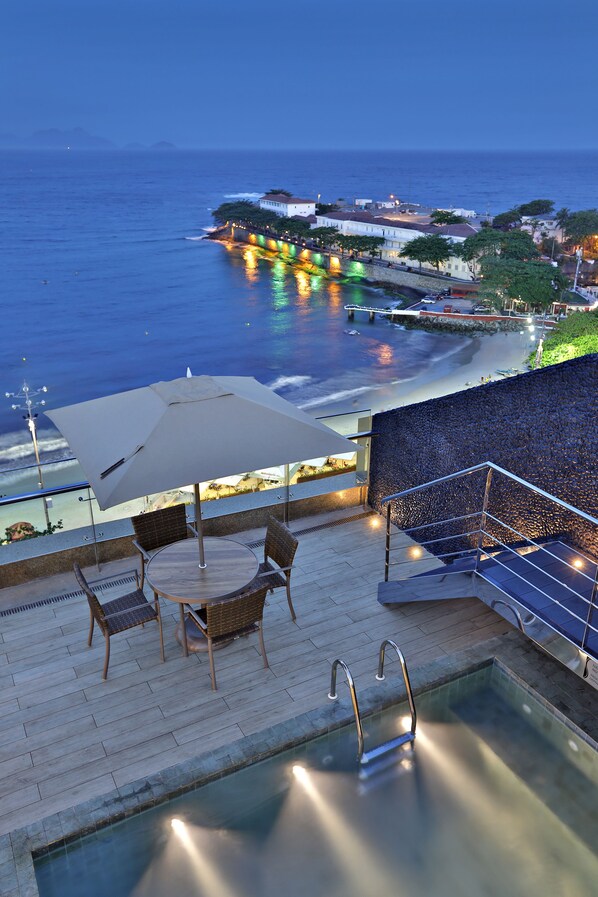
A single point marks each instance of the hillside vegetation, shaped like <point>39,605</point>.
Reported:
<point>575,336</point>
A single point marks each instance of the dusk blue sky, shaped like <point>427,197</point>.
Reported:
<point>379,74</point>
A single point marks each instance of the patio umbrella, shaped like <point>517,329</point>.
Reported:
<point>189,430</point>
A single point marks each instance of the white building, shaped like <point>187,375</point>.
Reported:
<point>397,233</point>
<point>288,206</point>
<point>463,213</point>
<point>542,228</point>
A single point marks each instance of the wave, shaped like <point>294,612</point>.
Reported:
<point>284,382</point>
<point>243,195</point>
<point>17,446</point>
<point>195,239</point>
<point>336,396</point>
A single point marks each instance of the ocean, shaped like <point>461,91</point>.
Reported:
<point>106,284</point>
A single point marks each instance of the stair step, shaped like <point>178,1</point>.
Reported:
<point>462,565</point>
<point>441,587</point>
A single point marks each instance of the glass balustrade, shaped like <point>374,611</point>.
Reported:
<point>67,504</point>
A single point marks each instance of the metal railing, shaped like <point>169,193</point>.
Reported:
<point>364,757</point>
<point>479,540</point>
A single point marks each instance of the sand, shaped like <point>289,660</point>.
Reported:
<point>463,370</point>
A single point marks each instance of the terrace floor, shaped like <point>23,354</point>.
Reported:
<point>66,736</point>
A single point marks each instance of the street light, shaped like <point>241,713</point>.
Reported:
<point>27,404</point>
<point>578,256</point>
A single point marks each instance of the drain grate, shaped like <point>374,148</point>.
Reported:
<point>55,599</point>
<point>130,577</point>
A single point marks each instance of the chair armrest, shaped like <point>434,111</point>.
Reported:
<point>275,570</point>
<point>141,550</point>
<point>127,610</point>
<point>196,618</point>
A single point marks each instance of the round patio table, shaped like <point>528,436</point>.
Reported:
<point>174,573</point>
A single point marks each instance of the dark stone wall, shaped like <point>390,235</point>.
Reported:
<point>541,426</point>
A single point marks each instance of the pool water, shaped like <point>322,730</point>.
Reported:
<point>497,799</point>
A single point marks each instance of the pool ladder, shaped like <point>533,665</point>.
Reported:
<point>364,756</point>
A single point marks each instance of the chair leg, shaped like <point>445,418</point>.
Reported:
<point>263,648</point>
<point>212,667</point>
<point>107,660</point>
<point>291,608</point>
<point>91,624</point>
<point>142,573</point>
<point>161,630</point>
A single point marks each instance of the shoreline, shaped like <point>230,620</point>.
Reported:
<point>462,370</point>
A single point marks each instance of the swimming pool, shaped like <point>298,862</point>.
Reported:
<point>497,798</point>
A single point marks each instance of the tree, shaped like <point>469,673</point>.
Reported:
<point>322,208</point>
<point>489,242</point>
<point>535,283</point>
<point>536,207</point>
<point>295,226</point>
<point>432,249</point>
<point>327,236</point>
<point>561,216</point>
<point>575,336</point>
<point>371,245</point>
<point>244,212</point>
<point>517,244</point>
<point>506,219</point>
<point>579,226</point>
<point>442,216</point>
<point>280,191</point>
<point>551,246</point>
<point>357,243</point>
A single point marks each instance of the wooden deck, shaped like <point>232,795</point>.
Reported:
<point>66,736</point>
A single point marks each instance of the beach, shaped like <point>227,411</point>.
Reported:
<point>464,369</point>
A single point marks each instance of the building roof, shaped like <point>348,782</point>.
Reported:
<point>447,230</point>
<point>287,200</point>
<point>454,230</point>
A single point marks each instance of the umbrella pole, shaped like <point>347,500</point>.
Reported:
<point>199,527</point>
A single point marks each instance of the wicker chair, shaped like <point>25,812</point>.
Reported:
<point>159,528</point>
<point>119,614</point>
<point>281,546</point>
<point>230,619</point>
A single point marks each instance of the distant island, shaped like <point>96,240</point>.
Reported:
<point>73,139</point>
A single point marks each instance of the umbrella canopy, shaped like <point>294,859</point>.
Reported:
<point>189,430</point>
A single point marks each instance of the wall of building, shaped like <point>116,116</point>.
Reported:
<point>541,426</point>
<point>395,240</point>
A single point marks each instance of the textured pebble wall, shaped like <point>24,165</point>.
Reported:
<point>541,426</point>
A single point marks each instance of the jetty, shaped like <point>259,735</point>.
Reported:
<point>386,312</point>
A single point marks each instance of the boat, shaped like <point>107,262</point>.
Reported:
<point>509,372</point>
<point>352,332</point>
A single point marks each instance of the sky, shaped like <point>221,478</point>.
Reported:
<point>334,74</point>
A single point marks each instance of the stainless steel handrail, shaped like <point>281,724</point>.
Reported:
<point>541,547</point>
<point>484,466</point>
<point>516,613</point>
<point>537,588</point>
<point>333,697</point>
<point>43,493</point>
<point>380,677</point>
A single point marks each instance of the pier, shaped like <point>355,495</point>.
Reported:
<point>385,312</point>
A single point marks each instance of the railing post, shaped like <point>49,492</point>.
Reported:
<point>591,608</point>
<point>93,526</point>
<point>483,519</point>
<point>387,549</point>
